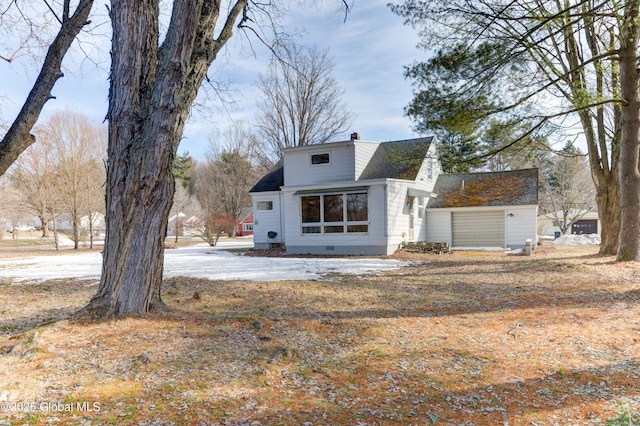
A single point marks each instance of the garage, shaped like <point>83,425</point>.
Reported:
<point>478,229</point>
<point>484,209</point>
<point>585,226</point>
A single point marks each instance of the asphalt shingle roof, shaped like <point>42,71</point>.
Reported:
<point>516,187</point>
<point>272,181</point>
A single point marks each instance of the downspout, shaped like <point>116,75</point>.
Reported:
<point>282,230</point>
<point>507,227</point>
<point>386,213</point>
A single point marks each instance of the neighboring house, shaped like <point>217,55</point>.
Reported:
<point>98,225</point>
<point>192,227</point>
<point>589,223</point>
<point>176,225</point>
<point>185,226</point>
<point>64,224</point>
<point>489,210</point>
<point>244,227</point>
<point>363,197</point>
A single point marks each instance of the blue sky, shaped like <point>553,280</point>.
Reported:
<point>369,50</point>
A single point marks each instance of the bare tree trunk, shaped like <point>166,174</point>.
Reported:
<point>55,231</point>
<point>608,200</point>
<point>151,91</point>
<point>90,230</point>
<point>603,168</point>
<point>45,226</point>
<point>630,145</point>
<point>75,231</point>
<point>604,171</point>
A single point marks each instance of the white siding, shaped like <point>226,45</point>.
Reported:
<point>397,213</point>
<point>297,242</point>
<point>521,226</point>
<point>363,153</point>
<point>422,180</point>
<point>299,171</point>
<point>483,226</point>
<point>267,220</point>
<point>420,219</point>
<point>439,226</point>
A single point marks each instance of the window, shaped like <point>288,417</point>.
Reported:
<point>335,213</point>
<point>320,158</point>
<point>247,226</point>
<point>311,215</point>
<point>333,209</point>
<point>264,205</point>
<point>429,168</point>
<point>311,209</point>
<point>357,207</point>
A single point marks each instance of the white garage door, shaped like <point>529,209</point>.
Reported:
<point>478,229</point>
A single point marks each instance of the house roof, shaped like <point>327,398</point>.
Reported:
<point>272,181</point>
<point>516,187</point>
<point>397,159</point>
<point>244,214</point>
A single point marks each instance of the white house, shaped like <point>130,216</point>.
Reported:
<point>97,224</point>
<point>353,197</point>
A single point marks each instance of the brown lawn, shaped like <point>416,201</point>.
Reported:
<point>456,339</point>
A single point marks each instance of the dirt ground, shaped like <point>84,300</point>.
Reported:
<point>468,338</point>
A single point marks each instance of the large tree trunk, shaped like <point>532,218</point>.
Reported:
<point>630,145</point>
<point>603,151</point>
<point>139,188</point>
<point>608,200</point>
<point>150,95</point>
<point>604,170</point>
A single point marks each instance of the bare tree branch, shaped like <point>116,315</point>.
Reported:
<point>18,137</point>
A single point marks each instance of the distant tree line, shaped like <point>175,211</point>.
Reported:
<point>62,175</point>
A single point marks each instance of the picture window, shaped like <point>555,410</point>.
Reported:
<point>335,213</point>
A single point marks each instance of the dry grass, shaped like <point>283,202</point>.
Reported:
<point>457,339</point>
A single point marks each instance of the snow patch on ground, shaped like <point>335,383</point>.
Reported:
<point>578,240</point>
<point>199,261</point>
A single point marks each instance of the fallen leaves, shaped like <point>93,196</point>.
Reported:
<point>462,338</point>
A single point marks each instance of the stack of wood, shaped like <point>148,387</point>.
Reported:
<point>425,247</point>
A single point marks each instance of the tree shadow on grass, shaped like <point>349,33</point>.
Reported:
<point>24,324</point>
<point>395,396</point>
<point>28,306</point>
<point>581,396</point>
<point>370,300</point>
<point>369,393</point>
<point>427,289</point>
